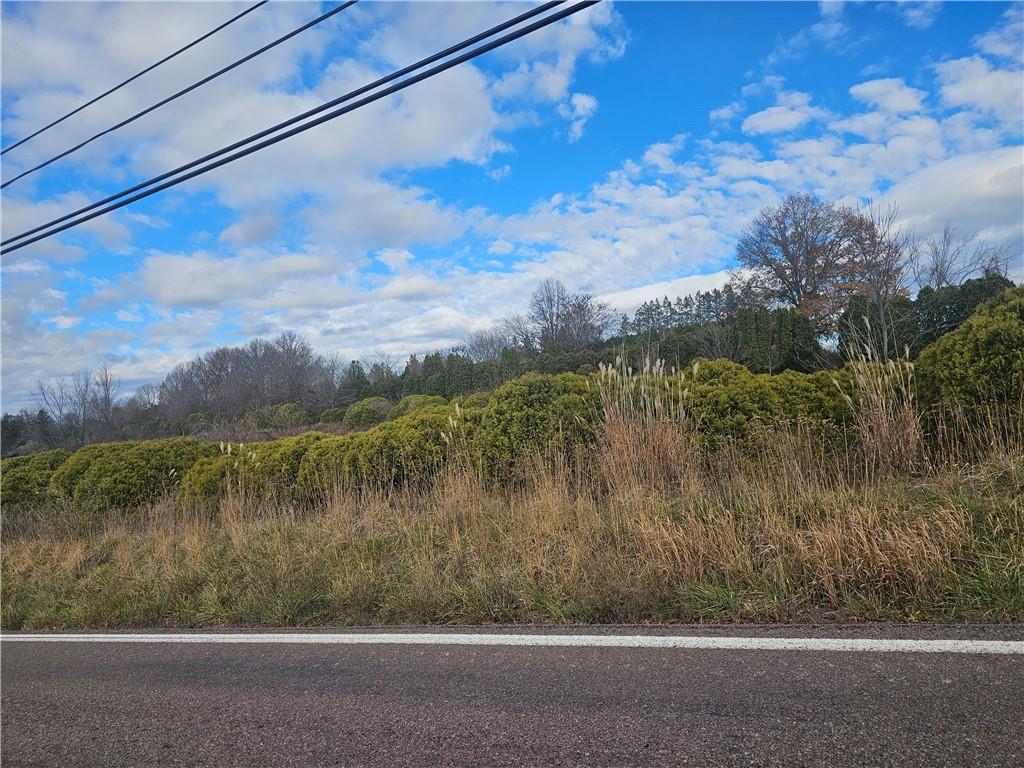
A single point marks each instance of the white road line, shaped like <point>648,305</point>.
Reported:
<point>585,641</point>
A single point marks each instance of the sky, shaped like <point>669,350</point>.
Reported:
<point>621,151</point>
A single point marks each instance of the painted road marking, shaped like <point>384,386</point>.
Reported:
<point>575,641</point>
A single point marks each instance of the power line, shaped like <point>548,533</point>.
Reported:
<point>136,76</point>
<point>291,121</point>
<point>183,91</point>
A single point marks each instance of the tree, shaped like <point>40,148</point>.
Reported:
<point>354,385</point>
<point>547,307</point>
<point>939,311</point>
<point>881,251</point>
<point>566,321</point>
<point>486,345</point>
<point>55,401</point>
<point>798,254</point>
<point>950,258</point>
<point>106,387</point>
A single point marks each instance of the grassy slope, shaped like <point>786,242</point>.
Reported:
<point>728,539</point>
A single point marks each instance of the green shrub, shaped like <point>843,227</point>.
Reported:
<point>407,405</point>
<point>24,479</point>
<point>261,468</point>
<point>366,413</point>
<point>324,464</point>
<point>65,479</point>
<point>125,476</point>
<point>477,400</point>
<point>204,483</point>
<point>723,400</point>
<point>533,414</point>
<point>982,361</point>
<point>332,416</point>
<point>408,449</point>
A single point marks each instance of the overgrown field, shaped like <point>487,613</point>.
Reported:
<point>876,491</point>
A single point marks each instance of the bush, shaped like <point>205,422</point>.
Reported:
<point>332,416</point>
<point>475,401</point>
<point>24,479</point>
<point>982,361</point>
<point>412,403</point>
<point>323,465</point>
<point>533,414</point>
<point>408,449</point>
<point>723,400</point>
<point>366,413</point>
<point>125,476</point>
<point>263,468</point>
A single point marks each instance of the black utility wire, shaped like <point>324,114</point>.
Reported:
<point>183,91</point>
<point>136,76</point>
<point>472,54</point>
<point>298,118</point>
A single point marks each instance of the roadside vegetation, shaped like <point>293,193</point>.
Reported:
<point>876,491</point>
<point>808,443</point>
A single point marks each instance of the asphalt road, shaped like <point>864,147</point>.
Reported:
<point>142,704</point>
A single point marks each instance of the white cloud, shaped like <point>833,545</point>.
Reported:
<point>125,316</point>
<point>972,82</point>
<point>982,192</point>
<point>828,31</point>
<point>1006,41</point>
<point>889,94</point>
<point>394,258</point>
<point>792,111</point>
<point>919,15</point>
<point>629,300</point>
<point>580,108</point>
<point>203,280</point>
<point>726,112</point>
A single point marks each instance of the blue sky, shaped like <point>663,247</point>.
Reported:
<point>621,151</point>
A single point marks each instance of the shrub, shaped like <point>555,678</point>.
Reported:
<point>125,476</point>
<point>24,479</point>
<point>204,483</point>
<point>533,414</point>
<point>366,413</point>
<point>323,464</point>
<point>332,416</point>
<point>264,468</point>
<point>476,401</point>
<point>723,400</point>
<point>408,449</point>
<point>412,403</point>
<point>980,362</point>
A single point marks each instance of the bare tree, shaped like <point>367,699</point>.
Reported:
<point>106,387</point>
<point>798,253</point>
<point>584,320</point>
<point>547,307</point>
<point>57,402</point>
<point>881,253</point>
<point>81,401</point>
<point>950,258</point>
<point>560,319</point>
<point>519,330</point>
<point>486,345</point>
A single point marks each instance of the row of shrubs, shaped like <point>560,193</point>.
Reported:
<point>534,413</point>
<point>982,360</point>
<point>290,416</point>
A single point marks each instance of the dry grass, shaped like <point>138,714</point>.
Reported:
<point>645,525</point>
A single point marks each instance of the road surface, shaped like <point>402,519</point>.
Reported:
<point>801,702</point>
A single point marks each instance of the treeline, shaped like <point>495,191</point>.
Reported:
<point>816,283</point>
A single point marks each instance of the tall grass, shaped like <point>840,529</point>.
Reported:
<point>646,524</point>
